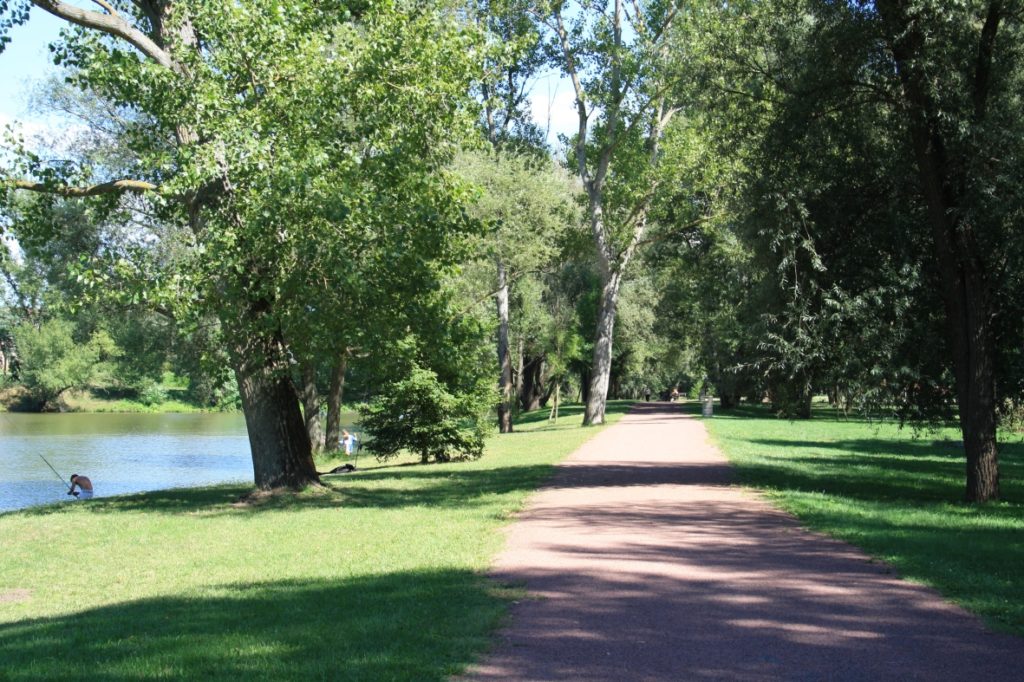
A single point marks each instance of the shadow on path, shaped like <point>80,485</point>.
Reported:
<point>645,564</point>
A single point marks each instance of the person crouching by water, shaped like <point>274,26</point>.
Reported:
<point>82,482</point>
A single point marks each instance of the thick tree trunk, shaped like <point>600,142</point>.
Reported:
<point>334,402</point>
<point>310,397</point>
<point>601,366</point>
<point>504,358</point>
<point>281,455</point>
<point>532,384</point>
<point>961,263</point>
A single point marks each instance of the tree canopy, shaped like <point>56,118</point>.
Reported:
<point>770,201</point>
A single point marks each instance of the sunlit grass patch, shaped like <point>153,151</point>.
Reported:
<point>378,575</point>
<point>895,493</point>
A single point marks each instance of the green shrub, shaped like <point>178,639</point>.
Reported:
<point>420,414</point>
<point>151,393</point>
<point>52,361</point>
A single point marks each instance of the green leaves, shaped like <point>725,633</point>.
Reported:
<point>52,362</point>
<point>420,414</point>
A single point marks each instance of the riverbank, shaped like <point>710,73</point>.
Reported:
<point>376,576</point>
<point>12,398</point>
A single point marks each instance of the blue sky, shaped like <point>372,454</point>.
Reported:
<point>25,60</point>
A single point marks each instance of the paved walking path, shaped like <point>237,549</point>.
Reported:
<point>642,563</point>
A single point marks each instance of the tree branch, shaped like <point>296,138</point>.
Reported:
<point>110,24</point>
<point>983,70</point>
<point>581,105</point>
<point>112,187</point>
<point>106,5</point>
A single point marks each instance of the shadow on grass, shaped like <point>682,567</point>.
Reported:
<point>423,625</point>
<point>442,486</point>
<point>447,487</point>
<point>170,501</point>
<point>876,468</point>
<point>898,497</point>
<point>571,412</point>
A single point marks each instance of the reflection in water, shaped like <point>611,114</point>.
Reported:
<point>121,453</point>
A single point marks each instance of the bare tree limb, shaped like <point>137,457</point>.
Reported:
<point>112,187</point>
<point>581,101</point>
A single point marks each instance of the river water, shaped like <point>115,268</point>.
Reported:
<point>120,453</point>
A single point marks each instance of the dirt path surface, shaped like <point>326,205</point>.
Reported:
<point>642,563</point>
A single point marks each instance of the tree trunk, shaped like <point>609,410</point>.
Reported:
<point>601,367</point>
<point>532,379</point>
<point>531,383</point>
<point>281,454</point>
<point>334,402</point>
<point>584,385</point>
<point>959,258</point>
<point>517,377</point>
<point>504,358</point>
<point>310,397</point>
<point>615,384</point>
<point>546,393</point>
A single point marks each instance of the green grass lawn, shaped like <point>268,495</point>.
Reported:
<point>377,577</point>
<point>895,495</point>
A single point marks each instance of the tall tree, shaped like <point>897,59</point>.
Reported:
<point>620,64</point>
<point>959,70</point>
<point>526,205</point>
<point>512,62</point>
<point>886,137</point>
<point>251,116</point>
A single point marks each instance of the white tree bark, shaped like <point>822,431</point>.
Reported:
<point>504,357</point>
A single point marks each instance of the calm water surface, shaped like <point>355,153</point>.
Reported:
<point>121,453</point>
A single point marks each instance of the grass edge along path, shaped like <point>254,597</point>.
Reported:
<point>894,493</point>
<point>379,576</point>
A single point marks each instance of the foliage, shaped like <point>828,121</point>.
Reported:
<point>293,160</point>
<point>804,115</point>
<point>513,58</point>
<point>52,362</point>
<point>525,204</point>
<point>420,414</point>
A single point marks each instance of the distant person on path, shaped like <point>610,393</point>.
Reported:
<point>82,482</point>
<point>647,394</point>
<point>674,395</point>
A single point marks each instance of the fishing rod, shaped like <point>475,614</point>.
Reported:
<point>70,492</point>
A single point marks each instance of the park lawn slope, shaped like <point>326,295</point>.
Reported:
<point>380,576</point>
<point>897,495</point>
